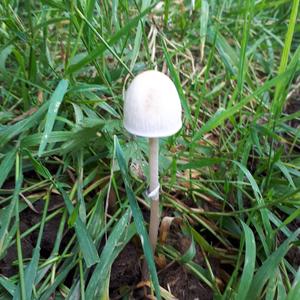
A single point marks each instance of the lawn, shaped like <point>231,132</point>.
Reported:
<point>74,210</point>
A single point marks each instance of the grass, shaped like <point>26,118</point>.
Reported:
<point>230,177</point>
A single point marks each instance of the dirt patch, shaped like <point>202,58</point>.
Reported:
<point>28,218</point>
<point>183,285</point>
<point>176,278</point>
<point>8,265</point>
<point>125,273</point>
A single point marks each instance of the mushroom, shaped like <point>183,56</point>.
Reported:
<point>152,109</point>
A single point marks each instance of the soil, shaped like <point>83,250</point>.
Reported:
<point>184,285</point>
<point>176,278</point>
<point>126,272</point>
<point>28,218</point>
<point>126,275</point>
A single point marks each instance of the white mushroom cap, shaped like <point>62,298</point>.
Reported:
<point>152,106</point>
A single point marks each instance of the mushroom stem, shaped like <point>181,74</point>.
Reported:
<point>154,212</point>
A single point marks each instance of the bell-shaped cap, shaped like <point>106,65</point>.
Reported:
<point>152,106</point>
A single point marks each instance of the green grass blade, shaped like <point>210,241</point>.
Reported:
<point>203,243</point>
<point>8,215</point>
<point>190,253</point>
<point>268,268</point>
<point>278,99</point>
<point>285,171</point>
<point>252,181</point>
<point>54,137</point>
<point>203,26</point>
<point>166,11</point>
<point>85,241</point>
<point>6,165</point>
<point>3,57</point>
<point>176,80</point>
<point>9,132</point>
<point>294,293</point>
<point>246,32</point>
<point>8,285</point>
<point>118,238</point>
<point>138,37</point>
<point>54,104</point>
<point>18,176</point>
<point>227,53</point>
<point>32,268</point>
<point>249,263</point>
<point>200,163</point>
